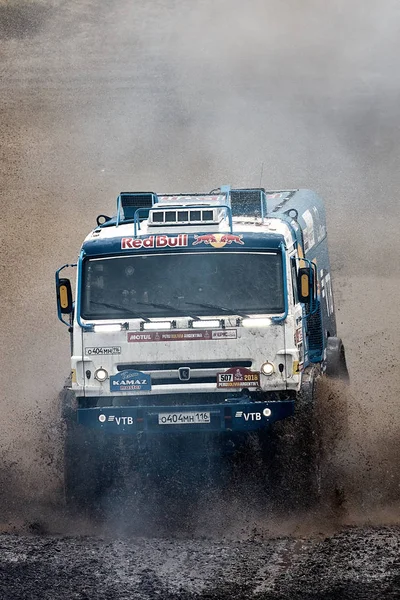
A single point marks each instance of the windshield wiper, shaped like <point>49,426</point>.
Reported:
<point>231,311</point>
<point>125,309</point>
<point>168,307</point>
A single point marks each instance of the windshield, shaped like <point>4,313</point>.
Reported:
<point>173,285</point>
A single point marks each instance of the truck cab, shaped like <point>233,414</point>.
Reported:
<point>201,312</point>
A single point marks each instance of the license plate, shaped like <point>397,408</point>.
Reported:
<point>183,418</point>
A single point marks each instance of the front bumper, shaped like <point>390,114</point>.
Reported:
<point>229,417</point>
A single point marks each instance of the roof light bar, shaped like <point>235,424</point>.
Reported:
<point>110,328</point>
<point>154,325</point>
<point>256,322</point>
<point>214,323</point>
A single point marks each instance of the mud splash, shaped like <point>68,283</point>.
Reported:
<point>159,96</point>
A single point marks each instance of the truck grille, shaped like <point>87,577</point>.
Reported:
<point>174,366</point>
<point>177,381</point>
<point>201,372</point>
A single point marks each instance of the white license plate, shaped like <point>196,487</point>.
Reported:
<point>183,418</point>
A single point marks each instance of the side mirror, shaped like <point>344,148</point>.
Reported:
<point>64,297</point>
<point>304,285</point>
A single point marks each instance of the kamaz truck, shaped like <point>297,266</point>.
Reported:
<point>201,312</point>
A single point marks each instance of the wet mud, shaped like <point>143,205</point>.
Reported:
<point>353,564</point>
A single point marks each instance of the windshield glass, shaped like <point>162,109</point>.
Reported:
<point>172,285</point>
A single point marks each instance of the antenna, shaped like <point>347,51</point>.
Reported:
<point>262,171</point>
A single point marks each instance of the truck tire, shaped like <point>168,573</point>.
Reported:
<point>313,473</point>
<point>90,461</point>
<point>80,471</point>
<point>336,366</point>
<point>295,475</point>
<point>91,468</point>
<point>306,445</point>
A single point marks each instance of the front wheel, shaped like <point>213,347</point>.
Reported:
<point>90,467</point>
<point>306,466</point>
<point>336,366</point>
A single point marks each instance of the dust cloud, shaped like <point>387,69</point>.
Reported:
<point>181,96</point>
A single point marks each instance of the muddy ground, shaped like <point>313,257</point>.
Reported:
<point>354,564</point>
<point>96,98</point>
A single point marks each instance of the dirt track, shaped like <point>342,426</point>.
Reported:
<point>352,564</point>
<point>100,97</point>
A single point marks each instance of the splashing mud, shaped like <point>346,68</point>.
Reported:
<point>99,98</point>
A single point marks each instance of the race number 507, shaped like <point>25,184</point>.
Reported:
<point>225,377</point>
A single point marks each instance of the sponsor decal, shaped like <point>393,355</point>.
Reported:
<point>248,416</point>
<point>116,420</point>
<point>193,335</point>
<point>296,367</point>
<point>238,377</point>
<point>224,334</point>
<point>298,336</point>
<point>308,230</point>
<point>196,199</point>
<point>129,381</point>
<point>277,195</point>
<point>218,240</point>
<point>155,241</point>
<point>326,291</point>
<point>103,350</point>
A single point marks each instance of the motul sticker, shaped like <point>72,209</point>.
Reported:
<point>129,381</point>
<point>193,335</point>
<point>155,241</point>
<point>238,377</point>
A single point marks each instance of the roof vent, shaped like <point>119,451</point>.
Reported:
<point>130,202</point>
<point>248,202</point>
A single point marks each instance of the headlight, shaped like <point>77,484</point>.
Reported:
<point>101,375</point>
<point>267,368</point>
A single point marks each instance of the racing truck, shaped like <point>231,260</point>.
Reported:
<point>200,312</point>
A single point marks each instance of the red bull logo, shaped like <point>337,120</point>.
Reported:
<point>218,240</point>
<point>155,241</point>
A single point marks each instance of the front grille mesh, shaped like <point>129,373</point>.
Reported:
<point>174,366</point>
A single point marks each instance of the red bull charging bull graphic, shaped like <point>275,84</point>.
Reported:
<point>218,240</point>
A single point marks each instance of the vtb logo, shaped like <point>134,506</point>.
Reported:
<point>218,240</point>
